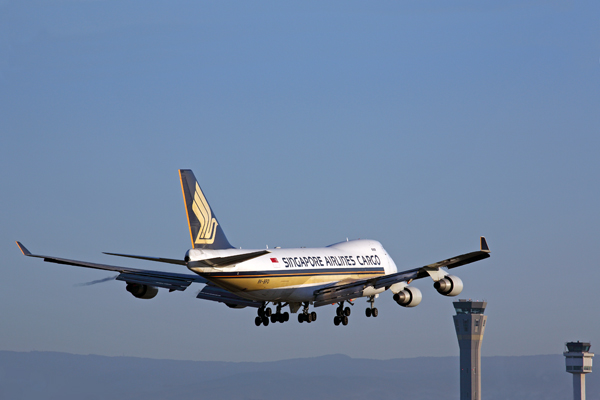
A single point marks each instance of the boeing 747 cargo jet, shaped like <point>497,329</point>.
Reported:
<point>293,278</point>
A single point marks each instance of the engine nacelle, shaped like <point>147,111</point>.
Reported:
<point>450,285</point>
<point>409,297</point>
<point>141,291</point>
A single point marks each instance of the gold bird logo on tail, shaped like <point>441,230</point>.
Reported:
<point>208,224</point>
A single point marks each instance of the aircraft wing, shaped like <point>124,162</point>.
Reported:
<point>167,280</point>
<point>342,290</point>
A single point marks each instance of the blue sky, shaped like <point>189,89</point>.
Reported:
<point>421,125</point>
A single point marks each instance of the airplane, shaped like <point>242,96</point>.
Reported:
<point>295,278</point>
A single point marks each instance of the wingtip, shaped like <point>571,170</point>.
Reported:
<point>23,249</point>
<point>484,245</point>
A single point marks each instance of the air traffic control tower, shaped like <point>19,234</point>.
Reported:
<point>579,362</point>
<point>469,322</point>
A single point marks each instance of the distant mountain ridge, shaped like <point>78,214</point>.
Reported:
<point>49,375</point>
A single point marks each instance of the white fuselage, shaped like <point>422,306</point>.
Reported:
<point>292,275</point>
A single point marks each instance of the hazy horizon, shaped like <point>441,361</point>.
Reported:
<point>65,376</point>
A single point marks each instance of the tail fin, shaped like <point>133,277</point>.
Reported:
<point>205,231</point>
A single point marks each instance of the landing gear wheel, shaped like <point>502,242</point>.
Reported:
<point>374,312</point>
<point>265,321</point>
<point>274,318</point>
<point>268,312</point>
<point>257,321</point>
<point>286,316</point>
<point>336,321</point>
<point>368,312</point>
<point>301,318</point>
<point>308,318</point>
<point>345,320</point>
<point>313,316</point>
<point>347,311</point>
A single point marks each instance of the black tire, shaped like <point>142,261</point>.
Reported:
<point>368,312</point>
<point>268,312</point>
<point>265,321</point>
<point>258,321</point>
<point>375,312</point>
<point>301,318</point>
<point>345,320</point>
<point>339,311</point>
<point>347,311</point>
<point>336,321</point>
<point>286,316</point>
<point>274,318</point>
<point>313,316</point>
<point>308,318</point>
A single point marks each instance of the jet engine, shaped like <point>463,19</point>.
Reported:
<point>450,285</point>
<point>142,291</point>
<point>409,297</point>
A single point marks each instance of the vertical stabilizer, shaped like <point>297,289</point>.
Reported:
<point>205,231</point>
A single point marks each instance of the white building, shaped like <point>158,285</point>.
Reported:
<point>579,362</point>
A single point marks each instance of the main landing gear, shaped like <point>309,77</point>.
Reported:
<point>342,314</point>
<point>372,311</point>
<point>279,316</point>
<point>265,314</point>
<point>306,316</point>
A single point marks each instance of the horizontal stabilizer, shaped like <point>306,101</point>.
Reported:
<point>220,262</point>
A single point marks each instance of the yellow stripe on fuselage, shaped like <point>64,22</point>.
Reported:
<point>273,281</point>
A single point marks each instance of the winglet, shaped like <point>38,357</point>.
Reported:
<point>484,245</point>
<point>23,249</point>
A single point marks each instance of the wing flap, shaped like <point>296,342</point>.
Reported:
<point>157,259</point>
<point>215,293</point>
<point>337,295</point>
<point>171,283</point>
